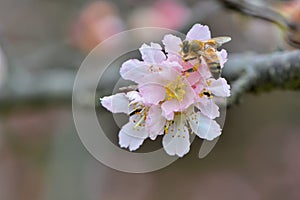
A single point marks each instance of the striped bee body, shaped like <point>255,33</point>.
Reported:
<point>206,50</point>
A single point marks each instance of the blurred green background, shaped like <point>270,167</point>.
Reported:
<point>43,43</point>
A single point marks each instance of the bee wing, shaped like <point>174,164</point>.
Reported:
<point>221,40</point>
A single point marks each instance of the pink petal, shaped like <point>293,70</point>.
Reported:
<point>170,71</point>
<point>155,122</point>
<point>117,103</point>
<point>169,107</point>
<point>177,142</point>
<point>198,32</point>
<point>204,71</point>
<point>204,127</point>
<point>198,87</point>
<point>193,78</point>
<point>153,53</point>
<point>189,98</point>
<point>172,44</point>
<point>174,57</point>
<point>152,93</point>
<point>220,87</point>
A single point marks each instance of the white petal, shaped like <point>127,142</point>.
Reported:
<point>127,141</point>
<point>134,70</point>
<point>134,131</point>
<point>177,142</point>
<point>134,97</point>
<point>131,137</point>
<point>155,45</point>
<point>117,103</point>
<point>222,57</point>
<point>204,127</point>
<point>208,107</point>
<point>219,87</point>
<point>152,54</point>
<point>198,32</point>
<point>155,122</point>
<point>172,44</point>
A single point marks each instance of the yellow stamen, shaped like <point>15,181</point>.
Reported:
<point>139,122</point>
<point>166,129</point>
<point>144,111</point>
<point>208,82</point>
<point>175,89</point>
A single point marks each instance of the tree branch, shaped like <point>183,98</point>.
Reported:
<point>245,72</point>
<point>258,73</point>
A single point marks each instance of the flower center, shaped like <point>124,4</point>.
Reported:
<point>175,89</point>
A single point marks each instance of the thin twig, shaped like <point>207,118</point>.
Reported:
<point>267,13</point>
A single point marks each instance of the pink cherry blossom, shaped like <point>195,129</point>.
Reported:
<point>159,81</point>
<point>198,32</point>
<point>171,99</point>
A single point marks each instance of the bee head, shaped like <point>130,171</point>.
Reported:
<point>185,47</point>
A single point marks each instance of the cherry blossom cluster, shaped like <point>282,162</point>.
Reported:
<point>171,99</point>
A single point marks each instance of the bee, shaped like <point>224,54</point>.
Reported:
<point>197,49</point>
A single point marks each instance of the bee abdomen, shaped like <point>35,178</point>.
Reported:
<point>215,69</point>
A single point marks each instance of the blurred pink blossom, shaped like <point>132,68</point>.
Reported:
<point>97,21</point>
<point>163,13</point>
